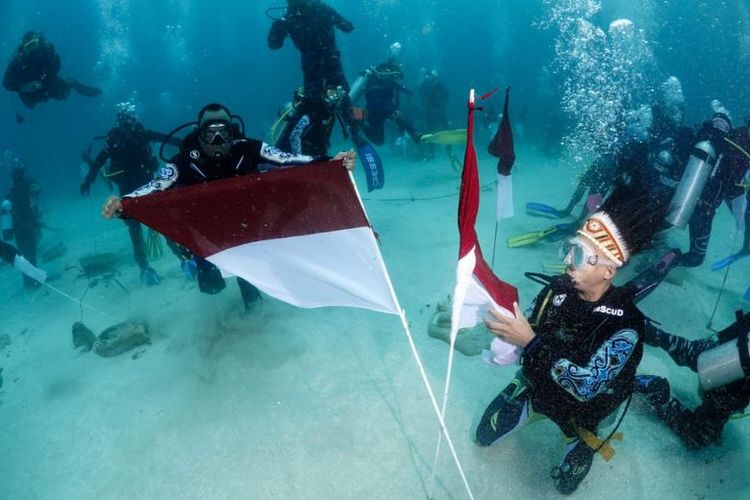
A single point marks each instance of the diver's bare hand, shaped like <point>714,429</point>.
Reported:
<point>112,207</point>
<point>349,157</point>
<point>516,331</point>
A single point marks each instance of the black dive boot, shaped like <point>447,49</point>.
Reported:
<point>574,466</point>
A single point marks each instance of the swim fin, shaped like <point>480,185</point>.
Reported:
<point>646,281</point>
<point>558,268</point>
<point>455,136</point>
<point>552,233</point>
<point>544,210</point>
<point>372,164</point>
<point>747,294</point>
<point>728,261</point>
<point>85,90</point>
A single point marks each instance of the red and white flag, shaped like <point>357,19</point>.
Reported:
<point>299,234</point>
<point>477,288</point>
<point>502,148</point>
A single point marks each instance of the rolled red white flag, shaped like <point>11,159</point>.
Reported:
<point>502,148</point>
<point>298,234</point>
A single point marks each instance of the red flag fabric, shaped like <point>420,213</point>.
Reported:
<point>477,287</point>
<point>299,234</point>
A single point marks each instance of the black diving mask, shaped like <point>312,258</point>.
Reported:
<point>217,133</point>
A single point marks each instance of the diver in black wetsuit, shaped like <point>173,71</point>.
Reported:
<point>311,25</point>
<point>382,101</point>
<point>434,96</point>
<point>653,154</point>
<point>27,223</point>
<point>582,341</point>
<point>33,73</point>
<point>131,165</point>
<point>218,149</point>
<point>305,125</point>
<point>703,425</point>
<point>725,183</point>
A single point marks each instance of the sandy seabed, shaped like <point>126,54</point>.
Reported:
<point>322,404</point>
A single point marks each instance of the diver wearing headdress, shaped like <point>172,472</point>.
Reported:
<point>582,341</point>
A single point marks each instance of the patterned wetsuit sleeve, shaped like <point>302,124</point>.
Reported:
<point>168,175</point>
<point>586,382</point>
<point>272,158</point>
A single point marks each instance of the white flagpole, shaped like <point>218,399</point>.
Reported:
<point>418,360</point>
<point>459,293</point>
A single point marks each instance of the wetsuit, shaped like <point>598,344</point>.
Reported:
<point>131,165</point>
<point>576,371</point>
<point>703,425</point>
<point>27,225</point>
<point>656,166</point>
<point>382,100</point>
<point>434,96</point>
<point>34,75</point>
<point>723,185</point>
<point>308,127</point>
<point>311,26</point>
<point>193,166</point>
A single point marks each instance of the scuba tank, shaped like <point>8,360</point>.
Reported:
<point>688,192</point>
<point>6,220</point>
<point>725,363</point>
<point>730,360</point>
<point>358,87</point>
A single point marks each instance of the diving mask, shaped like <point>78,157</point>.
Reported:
<point>216,133</point>
<point>575,253</point>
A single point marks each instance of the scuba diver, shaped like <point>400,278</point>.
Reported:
<point>582,341</point>
<point>717,171</point>
<point>434,96</point>
<point>216,149</point>
<point>131,165</point>
<point>311,25</point>
<point>26,217</point>
<point>382,86</point>
<point>724,369</point>
<point>305,124</point>
<point>33,73</point>
<point>655,148</point>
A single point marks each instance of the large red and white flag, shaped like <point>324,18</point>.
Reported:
<point>299,234</point>
<point>477,288</point>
